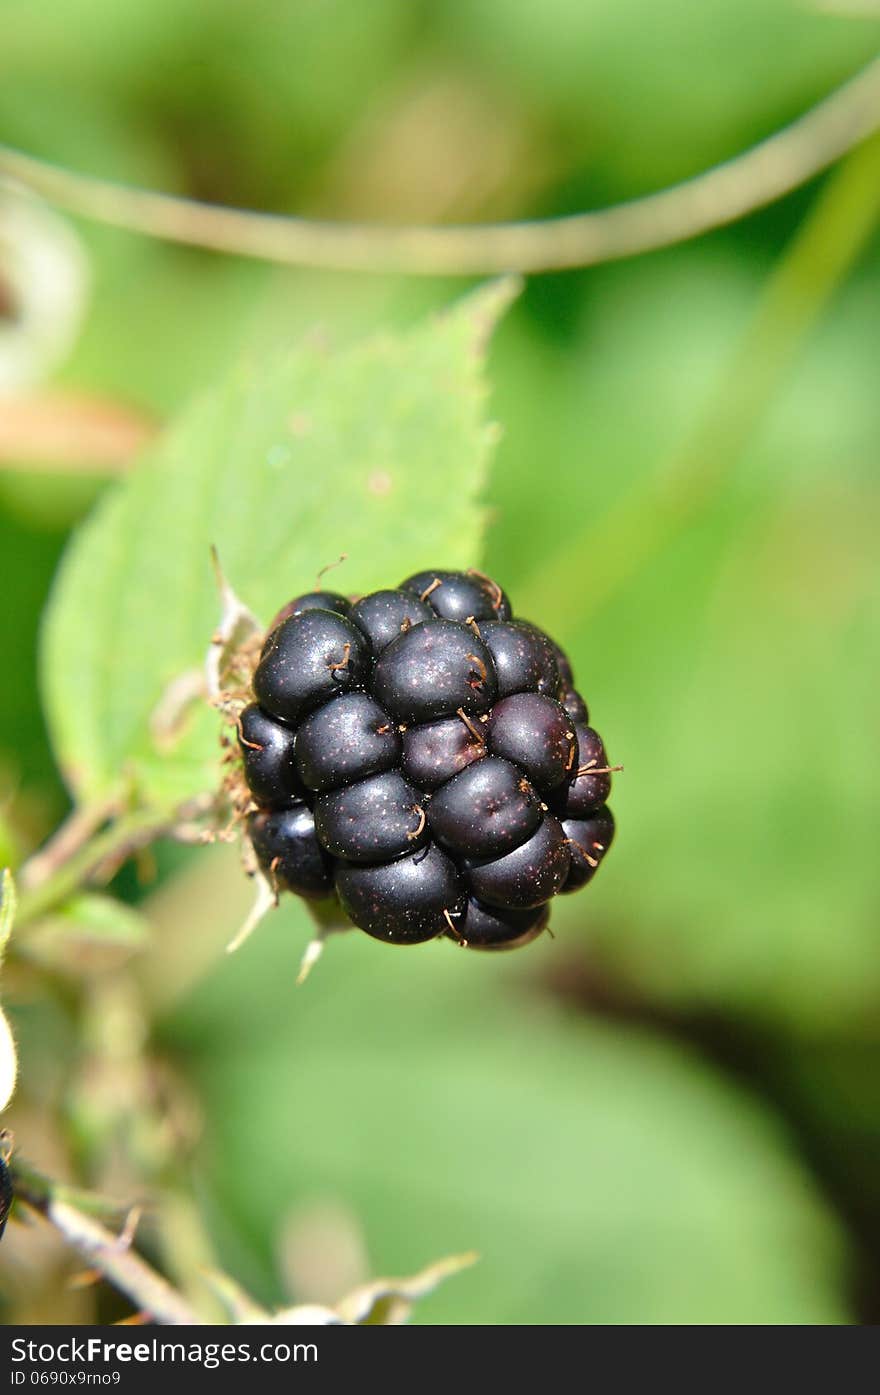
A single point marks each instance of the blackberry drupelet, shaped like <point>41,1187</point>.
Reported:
<point>427,759</point>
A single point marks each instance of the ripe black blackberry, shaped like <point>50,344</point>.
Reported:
<point>425,758</point>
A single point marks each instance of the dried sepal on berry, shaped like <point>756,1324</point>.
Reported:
<point>251,749</point>
<point>235,645</point>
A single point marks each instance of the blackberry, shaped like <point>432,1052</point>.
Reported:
<point>426,759</point>
<point>489,927</point>
<point>347,739</point>
<point>372,820</point>
<point>386,614</point>
<point>575,705</point>
<point>434,670</point>
<point>460,595</point>
<point>407,901</point>
<point>487,810</point>
<point>435,751</point>
<point>588,841</point>
<point>287,847</point>
<point>537,734</point>
<point>308,658</point>
<point>267,750</point>
<point>524,658</point>
<point>312,600</point>
<point>591,785</point>
<point>7,1194</point>
<point>526,877</point>
<point>566,672</point>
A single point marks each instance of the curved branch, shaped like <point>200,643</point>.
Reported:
<point>112,1255</point>
<point>115,1259</point>
<point>709,200</point>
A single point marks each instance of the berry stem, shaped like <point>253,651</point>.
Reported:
<point>127,835</point>
<point>75,831</point>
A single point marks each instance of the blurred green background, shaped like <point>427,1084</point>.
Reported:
<point>670,1112</point>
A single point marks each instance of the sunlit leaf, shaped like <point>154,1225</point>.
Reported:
<point>8,904</point>
<point>378,451</point>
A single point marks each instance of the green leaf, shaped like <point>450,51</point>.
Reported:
<point>674,85</point>
<point>379,452</point>
<point>733,675</point>
<point>88,934</point>
<point>8,904</point>
<point>603,1175</point>
<point>8,1053</point>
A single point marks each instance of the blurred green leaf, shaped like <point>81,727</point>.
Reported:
<point>602,1176</point>
<point>599,1171</point>
<point>8,1053</point>
<point>8,903</point>
<point>648,91</point>
<point>378,451</point>
<point>9,845</point>
<point>218,99</point>
<point>89,934</point>
<point>733,675</point>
